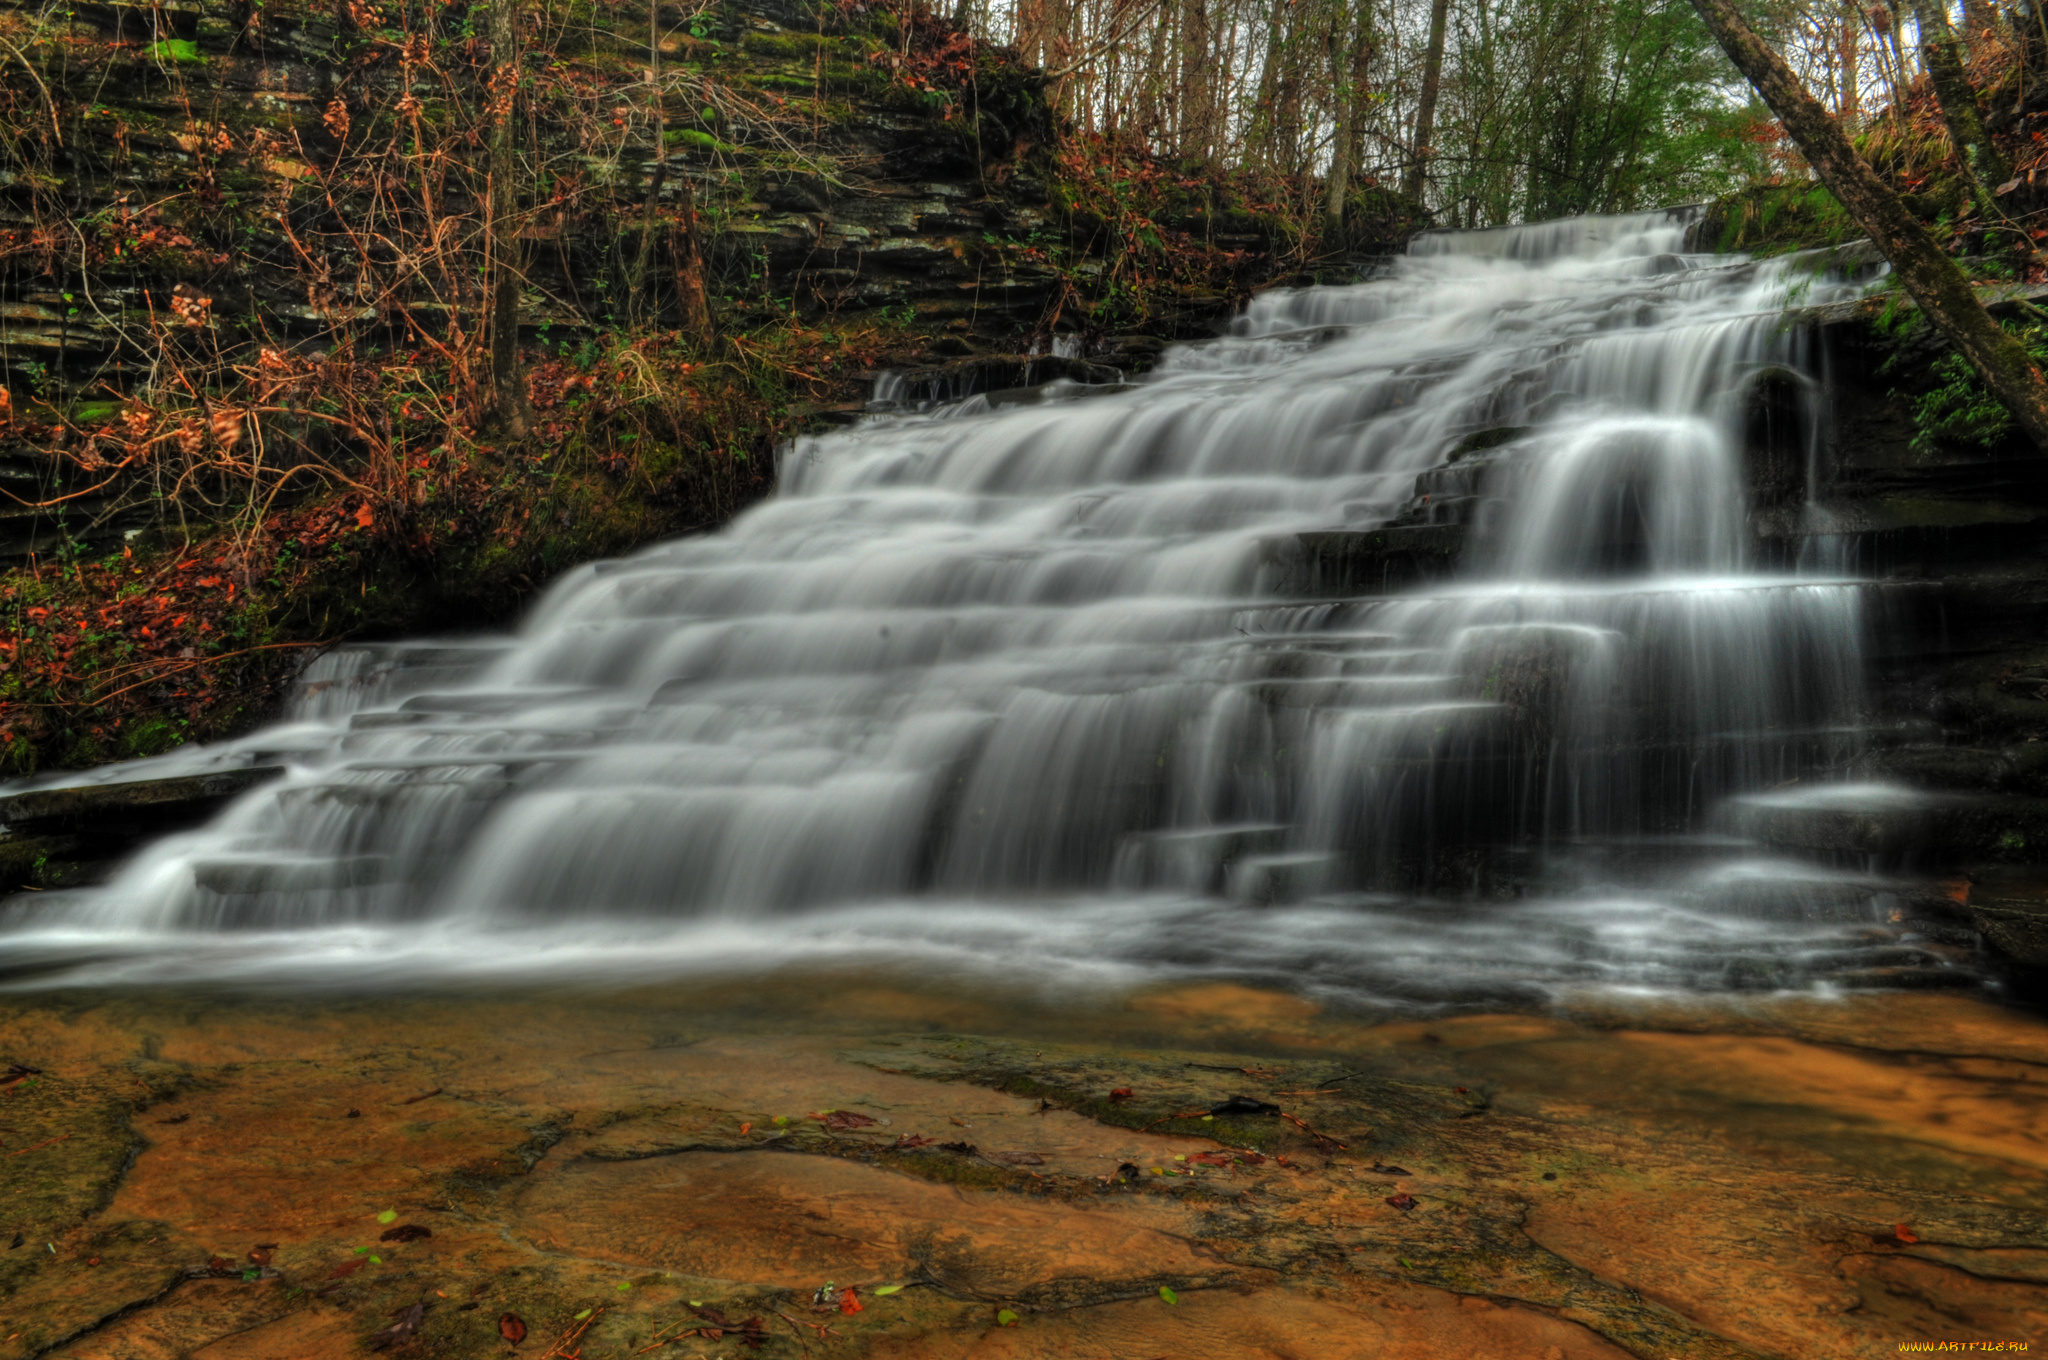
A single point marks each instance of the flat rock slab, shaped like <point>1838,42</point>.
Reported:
<point>1201,1170</point>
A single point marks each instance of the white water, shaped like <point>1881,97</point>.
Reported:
<point>1013,687</point>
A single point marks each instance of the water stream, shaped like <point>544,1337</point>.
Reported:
<point>1033,683</point>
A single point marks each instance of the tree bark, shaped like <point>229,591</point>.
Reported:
<point>507,386</point>
<point>1425,107</point>
<point>689,261</point>
<point>1350,53</point>
<point>1959,107</point>
<point>643,310</point>
<point>1929,277</point>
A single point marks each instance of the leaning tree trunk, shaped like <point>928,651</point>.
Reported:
<point>1929,276</point>
<point>1959,107</point>
<point>1425,108</point>
<point>507,388</point>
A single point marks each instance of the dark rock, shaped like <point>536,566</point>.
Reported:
<point>69,837</point>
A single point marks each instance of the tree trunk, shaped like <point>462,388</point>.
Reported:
<point>1959,107</point>
<point>1851,35</point>
<point>507,387</point>
<point>690,267</point>
<point>1929,277</point>
<point>1425,107</point>
<point>643,310</point>
<point>1347,81</point>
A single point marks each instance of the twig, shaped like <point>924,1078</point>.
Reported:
<point>572,1336</point>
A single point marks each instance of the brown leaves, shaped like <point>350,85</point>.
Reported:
<point>345,1269</point>
<point>263,1253</point>
<point>405,1232</point>
<point>905,1142</point>
<point>1403,1202</point>
<point>1120,1095</point>
<point>511,1327</point>
<point>408,1322</point>
<point>751,1332</point>
<point>839,1121</point>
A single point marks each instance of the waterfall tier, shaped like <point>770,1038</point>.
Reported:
<point>1028,684</point>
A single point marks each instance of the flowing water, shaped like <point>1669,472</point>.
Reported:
<point>1037,683</point>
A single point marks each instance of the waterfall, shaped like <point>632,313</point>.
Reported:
<point>1039,684</point>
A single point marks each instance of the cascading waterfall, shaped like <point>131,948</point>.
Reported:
<point>1023,682</point>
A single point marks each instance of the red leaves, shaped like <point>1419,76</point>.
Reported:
<point>1904,1233</point>
<point>839,1121</point>
<point>345,1269</point>
<point>905,1142</point>
<point>849,1302</point>
<point>1403,1202</point>
<point>511,1327</point>
<point>1120,1095</point>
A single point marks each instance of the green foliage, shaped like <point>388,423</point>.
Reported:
<point>1766,219</point>
<point>1560,107</point>
<point>175,50</point>
<point>1960,410</point>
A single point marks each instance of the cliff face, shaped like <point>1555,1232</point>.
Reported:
<point>246,271</point>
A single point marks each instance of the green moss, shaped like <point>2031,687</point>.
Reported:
<point>702,140</point>
<point>153,737</point>
<point>786,47</point>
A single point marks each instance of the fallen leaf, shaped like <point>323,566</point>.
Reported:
<point>345,1269</point>
<point>904,1142</point>
<point>1904,1233</point>
<point>1212,1158</point>
<point>388,1216</point>
<point>1403,1202</point>
<point>1244,1105</point>
<point>398,1331</point>
<point>1380,1170</point>
<point>262,1253</point>
<point>1006,1318</point>
<point>1168,1294</point>
<point>746,1129</point>
<point>405,1232</point>
<point>849,1302</point>
<point>839,1121</point>
<point>954,1119</point>
<point>1120,1095</point>
<point>365,517</point>
<point>424,1095</point>
<point>884,1291</point>
<point>511,1327</point>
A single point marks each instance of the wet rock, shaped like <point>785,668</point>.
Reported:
<point>66,837</point>
<point>1371,561</point>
